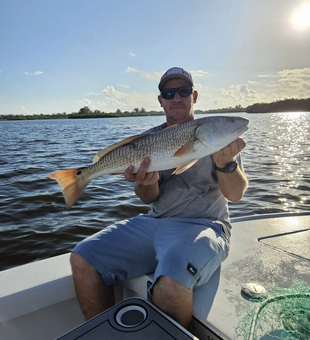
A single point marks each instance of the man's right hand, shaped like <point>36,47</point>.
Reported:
<point>146,187</point>
<point>142,177</point>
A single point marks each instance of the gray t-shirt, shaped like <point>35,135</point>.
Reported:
<point>193,193</point>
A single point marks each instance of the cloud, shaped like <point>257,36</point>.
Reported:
<point>23,109</point>
<point>133,99</point>
<point>93,94</point>
<point>148,75</point>
<point>235,94</point>
<point>131,69</point>
<point>199,73</point>
<point>124,86</point>
<point>206,97</point>
<point>240,92</point>
<point>93,104</point>
<point>307,87</point>
<point>295,73</point>
<point>132,55</point>
<point>33,74</point>
<point>267,76</point>
<point>156,75</point>
<point>151,75</point>
<point>112,99</point>
<point>295,77</point>
<point>287,83</point>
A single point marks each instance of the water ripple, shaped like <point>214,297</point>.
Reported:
<point>35,223</point>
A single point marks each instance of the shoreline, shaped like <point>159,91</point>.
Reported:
<point>129,115</point>
<point>107,115</point>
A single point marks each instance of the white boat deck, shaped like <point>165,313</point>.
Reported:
<point>267,251</point>
<point>37,301</point>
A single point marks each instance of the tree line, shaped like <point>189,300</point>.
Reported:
<point>286,105</point>
<point>84,112</point>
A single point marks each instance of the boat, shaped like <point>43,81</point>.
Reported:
<point>38,300</point>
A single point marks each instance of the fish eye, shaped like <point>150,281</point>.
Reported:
<point>79,172</point>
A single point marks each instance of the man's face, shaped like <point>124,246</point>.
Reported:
<point>179,109</point>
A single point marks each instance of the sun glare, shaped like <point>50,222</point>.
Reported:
<point>301,18</point>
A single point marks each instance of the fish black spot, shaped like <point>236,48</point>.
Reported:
<point>79,172</point>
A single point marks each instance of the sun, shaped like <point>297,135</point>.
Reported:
<point>301,18</point>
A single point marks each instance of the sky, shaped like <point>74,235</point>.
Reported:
<point>62,55</point>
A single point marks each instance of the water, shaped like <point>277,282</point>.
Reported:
<point>35,223</point>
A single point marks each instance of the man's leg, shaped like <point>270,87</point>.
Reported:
<point>174,299</point>
<point>93,295</point>
<point>123,251</point>
<point>188,253</point>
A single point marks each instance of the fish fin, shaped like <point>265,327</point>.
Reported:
<point>171,126</point>
<point>108,149</point>
<point>185,166</point>
<point>185,149</point>
<point>119,173</point>
<point>71,185</point>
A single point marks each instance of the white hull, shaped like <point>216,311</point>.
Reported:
<point>38,300</point>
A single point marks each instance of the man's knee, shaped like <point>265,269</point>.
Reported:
<point>78,263</point>
<point>165,281</point>
<point>167,286</point>
<point>174,299</point>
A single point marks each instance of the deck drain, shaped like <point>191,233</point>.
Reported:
<point>131,316</point>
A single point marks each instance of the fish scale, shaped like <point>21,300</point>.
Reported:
<point>158,147</point>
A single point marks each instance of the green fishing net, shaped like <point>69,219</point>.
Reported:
<point>283,313</point>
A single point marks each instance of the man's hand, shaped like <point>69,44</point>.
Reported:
<point>142,177</point>
<point>146,187</point>
<point>228,153</point>
<point>231,185</point>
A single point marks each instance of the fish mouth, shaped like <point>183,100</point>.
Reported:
<point>243,128</point>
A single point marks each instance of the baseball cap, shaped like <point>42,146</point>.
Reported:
<point>175,72</point>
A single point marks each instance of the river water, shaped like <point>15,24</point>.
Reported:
<point>34,223</point>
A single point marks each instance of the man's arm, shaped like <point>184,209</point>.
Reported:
<point>231,185</point>
<point>146,187</point>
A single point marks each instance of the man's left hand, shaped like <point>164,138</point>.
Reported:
<point>228,153</point>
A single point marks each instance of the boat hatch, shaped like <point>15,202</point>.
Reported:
<point>133,318</point>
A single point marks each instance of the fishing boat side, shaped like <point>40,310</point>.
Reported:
<point>38,300</point>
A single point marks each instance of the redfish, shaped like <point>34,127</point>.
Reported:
<point>178,147</point>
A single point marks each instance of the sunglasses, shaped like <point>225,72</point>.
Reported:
<point>183,91</point>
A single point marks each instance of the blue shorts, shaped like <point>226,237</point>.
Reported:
<point>188,250</point>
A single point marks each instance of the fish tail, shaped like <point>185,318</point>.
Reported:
<point>71,185</point>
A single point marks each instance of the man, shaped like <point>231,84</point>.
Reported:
<point>185,236</point>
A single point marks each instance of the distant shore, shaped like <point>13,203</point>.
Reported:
<point>286,105</point>
<point>106,115</point>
